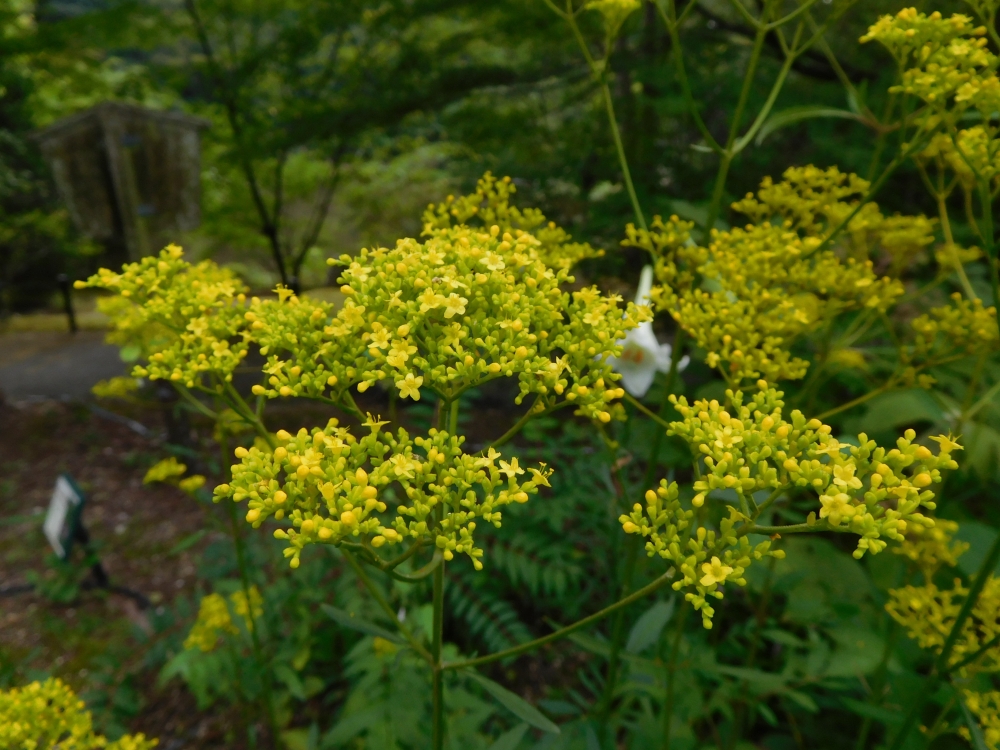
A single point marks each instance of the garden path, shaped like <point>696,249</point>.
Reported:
<point>55,364</point>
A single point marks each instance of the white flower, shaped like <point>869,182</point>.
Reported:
<point>642,355</point>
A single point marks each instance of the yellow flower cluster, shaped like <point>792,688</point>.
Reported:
<point>183,317</point>
<point>928,614</point>
<point>931,548</point>
<point>972,154</point>
<point>751,447</point>
<point>47,715</point>
<point>170,471</point>
<point>748,296</point>
<point>812,201</point>
<point>464,308</point>
<point>706,558</point>
<point>306,353</point>
<point>950,332</point>
<point>119,387</point>
<point>614,12</point>
<point>167,470</point>
<point>215,618</point>
<point>335,487</point>
<point>490,205</point>
<point>945,61</point>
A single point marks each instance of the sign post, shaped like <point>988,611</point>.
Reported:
<point>64,525</point>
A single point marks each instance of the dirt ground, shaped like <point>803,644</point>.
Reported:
<point>148,539</point>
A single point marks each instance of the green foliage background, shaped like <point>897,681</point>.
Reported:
<point>333,124</point>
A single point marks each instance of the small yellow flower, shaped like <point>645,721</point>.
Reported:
<point>715,572</point>
<point>948,444</point>
<point>409,387</point>
<point>510,469</point>
<point>836,508</point>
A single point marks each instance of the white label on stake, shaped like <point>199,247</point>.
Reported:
<point>58,521</point>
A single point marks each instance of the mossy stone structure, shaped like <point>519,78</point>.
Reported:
<point>129,176</point>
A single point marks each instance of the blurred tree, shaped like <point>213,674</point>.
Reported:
<point>36,240</point>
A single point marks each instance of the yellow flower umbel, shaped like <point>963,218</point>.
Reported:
<point>705,558</point>
<point>459,310</point>
<point>378,489</point>
<point>929,613</point>
<point>490,204</point>
<point>47,715</point>
<point>748,296</point>
<point>215,618</point>
<point>751,448</point>
<point>944,61</point>
<point>951,332</point>
<point>185,319</point>
<point>929,549</point>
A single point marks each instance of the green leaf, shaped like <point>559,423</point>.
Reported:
<point>352,621</point>
<point>130,353</point>
<point>510,740</point>
<point>803,700</point>
<point>591,644</point>
<point>868,711</point>
<point>980,538</point>
<point>648,627</point>
<point>895,409</point>
<point>515,704</point>
<point>189,541</point>
<point>796,114</point>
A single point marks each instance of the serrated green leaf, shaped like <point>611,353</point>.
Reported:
<point>352,621</point>
<point>515,704</point>
<point>648,627</point>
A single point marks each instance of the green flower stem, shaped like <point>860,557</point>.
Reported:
<point>418,575</point>
<point>675,647</point>
<point>888,386</point>
<point>386,607</point>
<point>598,69</point>
<point>645,591</point>
<point>769,501</point>
<point>235,400</point>
<point>647,411</point>
<point>673,22</point>
<point>795,528</point>
<point>870,195</point>
<point>613,122</point>
<point>618,632</point>
<point>195,403</point>
<point>633,545</point>
<point>941,670</point>
<point>438,675</point>
<point>976,654</point>
<point>727,153</point>
<point>527,417</point>
<point>241,566</point>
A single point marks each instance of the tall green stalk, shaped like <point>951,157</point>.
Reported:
<point>447,416</point>
<point>633,545</point>
<point>438,674</point>
<point>243,568</point>
<point>675,647</point>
